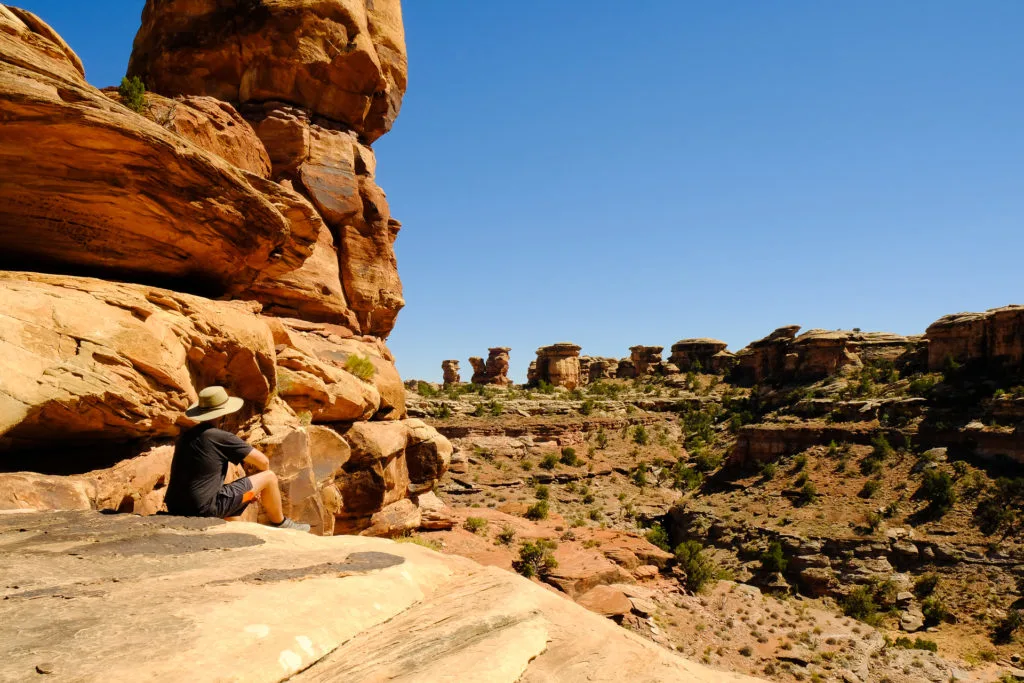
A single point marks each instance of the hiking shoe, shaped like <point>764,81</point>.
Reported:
<point>290,523</point>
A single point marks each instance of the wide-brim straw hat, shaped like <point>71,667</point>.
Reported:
<point>214,402</point>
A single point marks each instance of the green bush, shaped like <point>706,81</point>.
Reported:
<point>657,535</point>
<point>495,408</point>
<point>937,488</point>
<point>588,407</point>
<point>801,480</point>
<point>768,471</point>
<point>706,460</point>
<point>639,475</point>
<point>443,411</point>
<point>475,524</point>
<point>869,489</point>
<point>808,494</point>
<point>133,93</point>
<point>699,568</point>
<point>1000,509</point>
<point>1004,631</point>
<point>361,367</point>
<point>506,536</point>
<point>640,436</point>
<point>602,438</point>
<point>549,461</point>
<point>934,610</point>
<point>569,457</point>
<point>773,560</point>
<point>860,604</point>
<point>536,558</point>
<point>799,462</point>
<point>542,492</point>
<point>538,511</point>
<point>425,390</point>
<point>685,478</point>
<point>916,644</point>
<point>925,585</point>
<point>881,447</point>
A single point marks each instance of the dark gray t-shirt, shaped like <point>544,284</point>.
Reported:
<point>200,464</point>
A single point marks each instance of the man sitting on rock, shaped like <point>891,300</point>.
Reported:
<point>200,465</point>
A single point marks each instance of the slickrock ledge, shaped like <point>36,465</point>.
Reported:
<point>124,598</point>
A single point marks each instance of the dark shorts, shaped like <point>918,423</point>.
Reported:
<point>232,499</point>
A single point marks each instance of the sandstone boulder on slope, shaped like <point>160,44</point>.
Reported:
<point>92,187</point>
<point>344,59</point>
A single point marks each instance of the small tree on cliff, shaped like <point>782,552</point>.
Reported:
<point>133,93</point>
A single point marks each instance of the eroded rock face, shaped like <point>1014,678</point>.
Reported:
<point>450,368</point>
<point>86,359</point>
<point>559,365</point>
<point>595,369</point>
<point>181,215</point>
<point>344,59</point>
<point>689,354</point>
<point>645,359</point>
<point>994,339</point>
<point>494,370</point>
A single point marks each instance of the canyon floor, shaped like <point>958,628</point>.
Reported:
<point>816,546</point>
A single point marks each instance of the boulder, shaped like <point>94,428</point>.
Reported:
<point>606,601</point>
<point>91,360</point>
<point>182,216</point>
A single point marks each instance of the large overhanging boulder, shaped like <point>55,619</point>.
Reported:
<point>89,187</point>
<point>87,360</point>
<point>342,59</point>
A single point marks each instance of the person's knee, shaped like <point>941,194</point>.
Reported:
<point>263,480</point>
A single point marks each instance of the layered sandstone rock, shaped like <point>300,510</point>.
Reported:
<point>210,124</point>
<point>344,60</point>
<point>766,357</point>
<point>708,355</point>
<point>94,360</point>
<point>450,368</point>
<point>559,365</point>
<point>494,370</point>
<point>994,339</point>
<point>182,215</point>
<point>595,369</point>
<point>645,359</point>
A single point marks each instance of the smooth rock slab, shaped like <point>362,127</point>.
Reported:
<point>241,602</point>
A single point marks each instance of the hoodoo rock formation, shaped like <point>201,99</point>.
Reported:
<point>450,368</point>
<point>559,365</point>
<point>246,175</point>
<point>494,370</point>
<point>595,369</point>
<point>646,359</point>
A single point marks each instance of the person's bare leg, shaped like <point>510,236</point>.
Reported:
<point>265,485</point>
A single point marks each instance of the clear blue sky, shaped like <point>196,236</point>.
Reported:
<point>616,173</point>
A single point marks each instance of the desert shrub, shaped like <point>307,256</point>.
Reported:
<point>480,410</point>
<point>881,447</point>
<point>133,93</point>
<point>545,387</point>
<point>799,462</point>
<point>769,470</point>
<point>801,480</point>
<point>925,585</point>
<point>549,461</point>
<point>640,436</point>
<point>416,539</point>
<point>1000,509</point>
<point>706,460</point>
<point>425,390</point>
<point>602,438</point>
<point>860,604</point>
<point>746,651</point>
<point>657,535</point>
<point>922,385</point>
<point>873,520</point>
<point>495,408</point>
<point>360,366</point>
<point>595,514</point>
<point>587,407</point>
<point>935,612</point>
<point>773,560</point>
<point>1004,631</point>
<point>536,558</point>
<point>506,536</point>
<point>305,418</point>
<point>475,524</point>
<point>443,411</point>
<point>538,511</point>
<point>639,475</point>
<point>937,488</point>
<point>916,644</point>
<point>542,492</point>
<point>869,489</point>
<point>808,494</point>
<point>685,478</point>
<point>569,457</point>
<point>699,568</point>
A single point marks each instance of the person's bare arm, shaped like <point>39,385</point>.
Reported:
<point>257,461</point>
